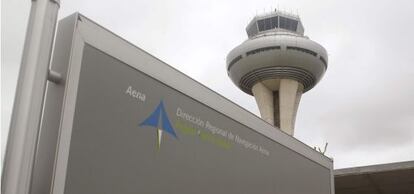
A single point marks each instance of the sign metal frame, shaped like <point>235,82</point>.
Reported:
<point>75,32</point>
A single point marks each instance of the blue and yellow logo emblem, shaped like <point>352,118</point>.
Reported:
<point>159,116</point>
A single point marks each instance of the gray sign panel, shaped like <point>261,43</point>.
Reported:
<point>132,124</point>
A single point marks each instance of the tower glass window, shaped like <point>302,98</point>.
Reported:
<point>283,22</point>
<point>252,30</point>
<point>268,23</point>
<point>288,24</point>
<point>293,24</point>
<point>275,22</point>
<point>261,25</point>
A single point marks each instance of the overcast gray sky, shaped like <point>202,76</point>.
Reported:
<point>364,106</point>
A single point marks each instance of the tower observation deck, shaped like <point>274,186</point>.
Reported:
<point>276,64</point>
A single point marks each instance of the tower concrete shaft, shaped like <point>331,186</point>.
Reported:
<point>278,101</point>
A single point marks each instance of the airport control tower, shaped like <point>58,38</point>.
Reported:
<point>276,65</point>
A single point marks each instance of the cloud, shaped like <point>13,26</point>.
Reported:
<point>363,106</point>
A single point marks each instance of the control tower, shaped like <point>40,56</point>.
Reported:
<point>277,64</point>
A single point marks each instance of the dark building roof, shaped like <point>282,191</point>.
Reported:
<point>392,178</point>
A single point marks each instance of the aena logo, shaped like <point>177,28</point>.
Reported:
<point>159,116</point>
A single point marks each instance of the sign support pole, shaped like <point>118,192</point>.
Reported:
<point>28,103</point>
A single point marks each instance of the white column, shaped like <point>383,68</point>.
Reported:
<point>264,100</point>
<point>290,92</point>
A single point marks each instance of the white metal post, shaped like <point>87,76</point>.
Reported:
<point>28,103</point>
